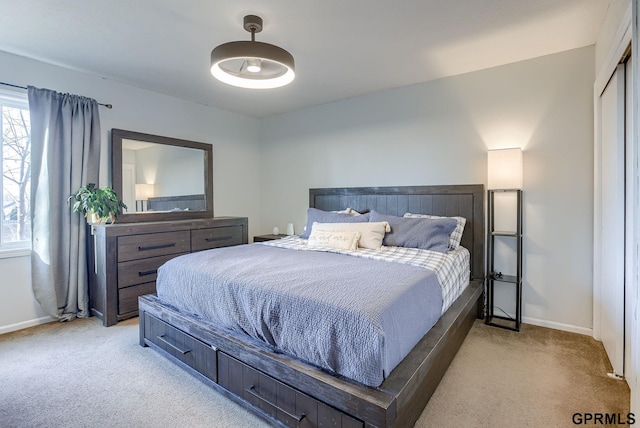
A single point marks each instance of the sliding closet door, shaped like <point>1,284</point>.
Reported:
<point>612,219</point>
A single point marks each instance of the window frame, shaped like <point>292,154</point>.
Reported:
<point>19,100</point>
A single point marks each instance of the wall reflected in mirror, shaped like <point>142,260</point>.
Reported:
<point>159,177</point>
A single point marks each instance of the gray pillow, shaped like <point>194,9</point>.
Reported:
<point>314,214</point>
<point>424,233</point>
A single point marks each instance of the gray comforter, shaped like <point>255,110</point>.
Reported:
<point>350,316</point>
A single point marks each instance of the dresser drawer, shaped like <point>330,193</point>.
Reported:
<point>282,402</point>
<point>118,247</point>
<point>140,271</point>
<point>136,247</point>
<point>192,352</point>
<point>128,297</point>
<point>215,237</point>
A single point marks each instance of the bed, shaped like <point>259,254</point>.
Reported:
<point>285,390</point>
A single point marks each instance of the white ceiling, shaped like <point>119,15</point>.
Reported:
<point>342,48</point>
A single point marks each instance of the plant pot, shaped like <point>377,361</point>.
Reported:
<point>93,218</point>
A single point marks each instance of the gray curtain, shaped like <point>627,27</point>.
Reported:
<point>65,154</point>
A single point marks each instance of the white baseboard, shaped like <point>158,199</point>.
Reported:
<point>25,324</point>
<point>558,326</point>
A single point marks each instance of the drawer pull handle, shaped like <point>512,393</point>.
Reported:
<point>156,247</point>
<point>251,390</point>
<point>221,238</point>
<point>171,345</point>
<point>148,272</point>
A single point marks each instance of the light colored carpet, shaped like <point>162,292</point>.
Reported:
<point>80,374</point>
<point>538,377</point>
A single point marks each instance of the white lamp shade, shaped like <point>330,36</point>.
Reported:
<point>144,191</point>
<point>504,169</point>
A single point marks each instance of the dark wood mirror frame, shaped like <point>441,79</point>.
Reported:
<point>117,135</point>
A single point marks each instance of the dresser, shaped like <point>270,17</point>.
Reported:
<point>124,257</point>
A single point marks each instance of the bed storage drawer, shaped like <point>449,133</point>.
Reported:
<point>192,352</point>
<point>281,402</point>
<point>136,247</point>
<point>215,237</point>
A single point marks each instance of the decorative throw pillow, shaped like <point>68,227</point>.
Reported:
<point>338,239</point>
<point>371,233</point>
<point>456,235</point>
<point>423,233</point>
<point>316,215</point>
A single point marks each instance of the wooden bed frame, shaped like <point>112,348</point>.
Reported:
<point>288,392</point>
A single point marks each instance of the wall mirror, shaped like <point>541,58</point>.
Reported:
<point>161,178</point>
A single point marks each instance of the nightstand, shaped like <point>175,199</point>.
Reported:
<point>269,237</point>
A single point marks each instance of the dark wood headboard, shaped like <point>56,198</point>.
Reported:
<point>185,202</point>
<point>452,200</point>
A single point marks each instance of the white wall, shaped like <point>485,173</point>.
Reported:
<point>18,307</point>
<point>611,32</point>
<point>175,171</point>
<point>438,133</point>
<point>432,133</point>
<point>236,154</point>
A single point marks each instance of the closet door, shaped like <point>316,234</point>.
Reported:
<point>612,219</point>
<point>631,223</point>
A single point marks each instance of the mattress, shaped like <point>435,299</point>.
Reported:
<point>353,315</point>
<point>451,268</point>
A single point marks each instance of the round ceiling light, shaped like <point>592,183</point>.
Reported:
<point>251,64</point>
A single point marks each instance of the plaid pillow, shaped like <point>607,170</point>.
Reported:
<point>456,235</point>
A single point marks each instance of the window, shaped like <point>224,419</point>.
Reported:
<point>15,225</point>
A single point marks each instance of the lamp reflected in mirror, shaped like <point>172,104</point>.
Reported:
<point>143,191</point>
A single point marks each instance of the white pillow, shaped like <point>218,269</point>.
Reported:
<point>371,233</point>
<point>456,235</point>
<point>338,239</point>
<point>349,211</point>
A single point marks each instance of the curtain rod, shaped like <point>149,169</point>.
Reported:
<point>109,106</point>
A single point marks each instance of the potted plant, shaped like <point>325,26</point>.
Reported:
<point>98,205</point>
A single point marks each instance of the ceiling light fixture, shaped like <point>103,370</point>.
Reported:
<point>251,64</point>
